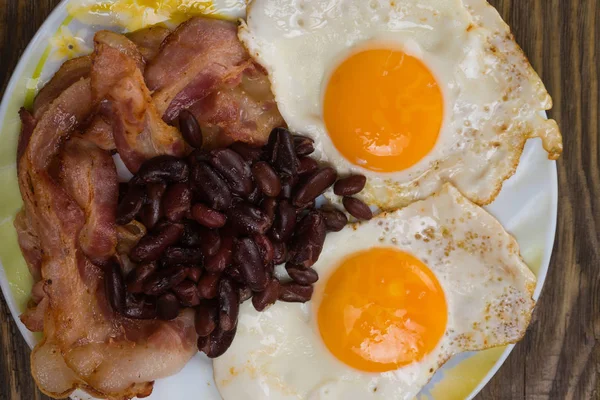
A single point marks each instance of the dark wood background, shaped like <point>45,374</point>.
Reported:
<point>560,356</point>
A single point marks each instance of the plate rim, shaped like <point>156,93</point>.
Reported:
<point>53,19</point>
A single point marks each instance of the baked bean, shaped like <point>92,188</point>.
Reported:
<point>248,219</point>
<point>219,261</point>
<point>152,211</point>
<point>163,280</point>
<point>151,246</point>
<point>218,342</point>
<point>139,306</point>
<point>114,285</point>
<point>194,274</point>
<point>307,166</point>
<point>208,217</point>
<point>335,220</point>
<point>302,275</point>
<point>177,201</point>
<point>307,244</point>
<point>167,307</point>
<point>350,186</point>
<point>206,317</point>
<point>295,293</point>
<point>190,129</point>
<point>285,222</point>
<point>314,186</point>
<point>357,208</point>
<point>163,168</point>
<point>181,256</point>
<point>131,204</point>
<point>303,145</point>
<point>265,248</point>
<point>280,253</point>
<point>229,304</point>
<point>266,179</point>
<point>187,293</point>
<point>210,187</point>
<point>137,277</point>
<point>210,242</point>
<point>267,297</point>
<point>234,169</point>
<point>208,285</point>
<point>248,152</point>
<point>247,257</point>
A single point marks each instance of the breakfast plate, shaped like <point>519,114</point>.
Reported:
<point>526,206</point>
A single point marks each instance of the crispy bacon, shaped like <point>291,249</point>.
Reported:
<point>138,130</point>
<point>202,66</point>
<point>149,40</point>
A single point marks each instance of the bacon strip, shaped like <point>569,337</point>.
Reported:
<point>138,130</point>
<point>149,40</point>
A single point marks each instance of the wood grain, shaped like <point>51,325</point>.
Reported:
<point>560,356</point>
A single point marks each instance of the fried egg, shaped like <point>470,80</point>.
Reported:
<point>410,93</point>
<point>397,297</point>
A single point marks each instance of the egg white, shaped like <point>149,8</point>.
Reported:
<point>492,96</point>
<point>279,353</point>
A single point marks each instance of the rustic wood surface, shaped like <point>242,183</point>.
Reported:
<point>560,356</point>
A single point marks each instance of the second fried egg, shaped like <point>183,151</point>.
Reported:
<point>411,94</point>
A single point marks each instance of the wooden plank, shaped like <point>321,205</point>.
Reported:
<point>560,356</point>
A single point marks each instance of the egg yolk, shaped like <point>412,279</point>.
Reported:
<point>382,309</point>
<point>383,110</point>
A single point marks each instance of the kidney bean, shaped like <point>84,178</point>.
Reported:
<point>206,317</point>
<point>314,186</point>
<point>287,186</point>
<point>222,258</point>
<point>211,187</point>
<point>114,286</point>
<point>191,234</point>
<point>307,166</point>
<point>177,201</point>
<point>280,253</point>
<point>335,220</point>
<point>269,206</point>
<point>265,248</point>
<point>167,307</point>
<point>187,293</point>
<point>248,219</point>
<point>137,277</point>
<point>234,169</point>
<point>285,222</point>
<point>308,206</point>
<point>357,208</point>
<point>307,244</point>
<point>218,342</point>
<point>152,211</point>
<point>163,168</point>
<point>181,256</point>
<point>266,178</point>
<point>235,273</point>
<point>151,247</point>
<point>302,275</point>
<point>256,195</point>
<point>248,152</point>
<point>245,293</point>
<point>286,160</point>
<point>272,146</point>
<point>267,297</point>
<point>247,257</point>
<point>164,280</point>
<point>208,285</point>
<point>190,128</point>
<point>208,217</point>
<point>303,145</point>
<point>194,274</point>
<point>131,204</point>
<point>210,242</point>
<point>139,307</point>
<point>295,293</point>
<point>350,186</point>
<point>197,156</point>
<point>229,304</point>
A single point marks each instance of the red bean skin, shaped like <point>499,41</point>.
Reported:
<point>261,301</point>
<point>206,317</point>
<point>208,285</point>
<point>218,343</point>
<point>231,166</point>
<point>266,178</point>
<point>151,246</point>
<point>247,257</point>
<point>248,219</point>
<point>303,145</point>
<point>285,222</point>
<point>218,262</point>
<point>357,208</point>
<point>350,186</point>
<point>307,244</point>
<point>153,211</point>
<point>190,129</point>
<point>302,275</point>
<point>295,293</point>
<point>177,201</point>
<point>162,169</point>
<point>335,220</point>
<point>210,187</point>
<point>265,248</point>
<point>208,217</point>
<point>307,166</point>
<point>314,186</point>
<point>229,304</point>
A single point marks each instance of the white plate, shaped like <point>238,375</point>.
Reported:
<point>527,205</point>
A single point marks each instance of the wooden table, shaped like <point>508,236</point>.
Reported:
<point>560,356</point>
